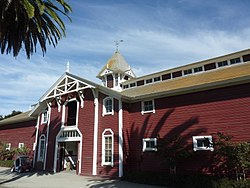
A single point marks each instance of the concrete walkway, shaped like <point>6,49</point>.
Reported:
<point>62,180</point>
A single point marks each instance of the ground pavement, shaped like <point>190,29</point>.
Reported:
<point>62,180</point>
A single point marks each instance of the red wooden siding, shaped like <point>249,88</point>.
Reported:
<point>23,132</point>
<point>86,126</point>
<point>106,122</point>
<point>223,110</point>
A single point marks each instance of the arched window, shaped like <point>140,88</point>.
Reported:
<point>41,151</point>
<point>108,106</point>
<point>107,148</point>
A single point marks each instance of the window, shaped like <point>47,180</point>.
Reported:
<point>72,113</point>
<point>132,85</point>
<point>234,61</point>
<point>222,63</point>
<point>20,145</point>
<point>125,86</point>
<point>188,71</point>
<point>116,79</point>
<point>41,151</point>
<point>45,116</point>
<point>107,147</point>
<point>149,144</point>
<point>197,69</point>
<point>203,143</point>
<point>148,81</point>
<point>8,146</point>
<point>148,106</point>
<point>157,79</point>
<point>108,106</point>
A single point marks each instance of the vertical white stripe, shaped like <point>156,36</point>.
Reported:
<point>94,170</point>
<point>120,121</point>
<point>37,131</point>
<point>47,138</point>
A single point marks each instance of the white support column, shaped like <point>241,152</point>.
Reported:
<point>94,170</point>
<point>47,138</point>
<point>35,144</point>
<point>120,121</point>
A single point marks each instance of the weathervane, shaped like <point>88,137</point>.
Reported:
<point>117,42</point>
<point>68,67</point>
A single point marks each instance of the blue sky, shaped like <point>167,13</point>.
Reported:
<point>157,34</point>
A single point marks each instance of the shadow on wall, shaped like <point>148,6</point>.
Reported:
<point>137,160</point>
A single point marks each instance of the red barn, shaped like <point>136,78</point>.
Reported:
<point>114,127</point>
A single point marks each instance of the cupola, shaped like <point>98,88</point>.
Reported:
<point>115,71</point>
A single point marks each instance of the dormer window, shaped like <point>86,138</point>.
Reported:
<point>108,106</point>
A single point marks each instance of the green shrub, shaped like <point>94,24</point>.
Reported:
<point>183,181</point>
<point>6,163</point>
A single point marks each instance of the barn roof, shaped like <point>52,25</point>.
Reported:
<point>23,117</point>
<point>227,76</point>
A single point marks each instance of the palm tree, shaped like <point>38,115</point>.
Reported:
<point>26,22</point>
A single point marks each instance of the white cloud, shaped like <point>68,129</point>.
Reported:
<point>157,35</point>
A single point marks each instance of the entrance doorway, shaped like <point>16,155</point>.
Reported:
<point>68,156</point>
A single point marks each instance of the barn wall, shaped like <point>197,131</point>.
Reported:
<point>198,114</point>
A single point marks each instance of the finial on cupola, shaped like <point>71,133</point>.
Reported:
<point>67,68</point>
<point>117,42</point>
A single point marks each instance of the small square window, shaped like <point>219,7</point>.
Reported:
<point>188,71</point>
<point>203,143</point>
<point>148,106</point>
<point>45,116</point>
<point>132,85</point>
<point>8,146</point>
<point>20,145</point>
<point>157,79</point>
<point>197,69</point>
<point>125,86</point>
<point>222,63</point>
<point>148,81</point>
<point>149,144</point>
<point>235,60</point>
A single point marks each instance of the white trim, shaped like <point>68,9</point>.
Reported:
<point>144,145</point>
<point>35,144</point>
<point>120,121</point>
<point>47,138</point>
<point>39,148</point>
<point>71,139</point>
<point>149,111</point>
<point>104,112</point>
<point>95,148</point>
<point>195,143</point>
<point>103,147</point>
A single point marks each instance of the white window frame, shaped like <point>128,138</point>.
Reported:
<point>104,163</point>
<point>104,110</point>
<point>45,115</point>
<point>143,111</point>
<point>195,143</point>
<point>8,146</point>
<point>41,158</point>
<point>20,145</point>
<point>144,144</point>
